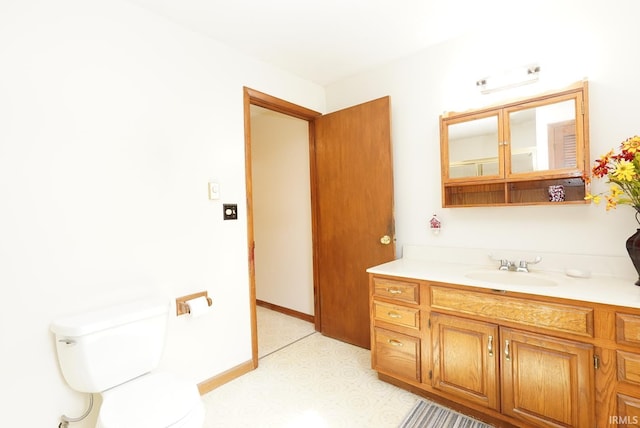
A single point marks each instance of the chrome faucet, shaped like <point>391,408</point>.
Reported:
<point>521,266</point>
<point>506,265</point>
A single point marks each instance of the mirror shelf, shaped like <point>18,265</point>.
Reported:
<point>525,152</point>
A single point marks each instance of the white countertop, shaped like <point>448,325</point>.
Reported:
<point>598,288</point>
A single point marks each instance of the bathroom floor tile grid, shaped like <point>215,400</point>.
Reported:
<point>276,330</point>
<point>311,381</point>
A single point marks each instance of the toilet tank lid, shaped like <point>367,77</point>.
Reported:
<point>101,319</point>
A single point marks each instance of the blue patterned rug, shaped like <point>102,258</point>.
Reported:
<point>426,414</point>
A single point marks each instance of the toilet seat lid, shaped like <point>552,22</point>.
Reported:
<point>150,401</point>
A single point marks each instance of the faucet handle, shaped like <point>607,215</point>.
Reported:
<point>523,265</point>
<point>538,259</point>
<point>505,264</point>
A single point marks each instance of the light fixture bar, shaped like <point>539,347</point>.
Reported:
<point>509,79</point>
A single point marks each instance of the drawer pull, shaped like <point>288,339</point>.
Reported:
<point>394,342</point>
<point>394,290</point>
<point>392,314</point>
<point>507,353</point>
<point>490,346</point>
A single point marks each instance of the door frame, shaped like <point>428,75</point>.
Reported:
<point>260,99</point>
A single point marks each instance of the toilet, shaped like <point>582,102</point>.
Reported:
<point>114,351</point>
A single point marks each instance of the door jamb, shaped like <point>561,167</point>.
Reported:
<point>257,98</point>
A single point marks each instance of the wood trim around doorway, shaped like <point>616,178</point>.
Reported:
<point>257,98</point>
<point>269,102</point>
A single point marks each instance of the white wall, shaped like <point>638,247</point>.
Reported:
<point>112,120</point>
<point>570,40</point>
<point>282,211</point>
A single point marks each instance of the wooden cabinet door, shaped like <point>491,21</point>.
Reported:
<point>547,382</point>
<point>465,359</point>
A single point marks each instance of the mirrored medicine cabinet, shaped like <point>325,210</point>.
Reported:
<point>526,152</point>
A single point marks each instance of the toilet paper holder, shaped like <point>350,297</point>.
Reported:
<point>182,307</point>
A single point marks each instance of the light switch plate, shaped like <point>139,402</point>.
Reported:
<point>214,190</point>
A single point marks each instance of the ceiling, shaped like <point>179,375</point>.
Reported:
<point>325,41</point>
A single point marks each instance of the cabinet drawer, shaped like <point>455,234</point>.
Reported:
<point>404,291</point>
<point>396,354</point>
<point>628,329</point>
<point>628,412</point>
<point>399,315</point>
<point>628,367</point>
<point>551,316</point>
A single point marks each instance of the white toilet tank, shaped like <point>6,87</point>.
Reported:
<point>100,349</point>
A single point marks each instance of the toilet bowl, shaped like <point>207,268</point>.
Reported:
<point>114,351</point>
<point>157,399</point>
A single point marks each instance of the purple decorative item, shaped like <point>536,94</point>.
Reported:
<point>556,193</point>
<point>633,248</point>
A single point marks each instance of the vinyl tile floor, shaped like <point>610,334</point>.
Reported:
<point>306,381</point>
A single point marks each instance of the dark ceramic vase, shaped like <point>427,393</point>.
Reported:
<point>633,248</point>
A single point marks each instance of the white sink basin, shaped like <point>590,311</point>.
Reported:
<point>511,278</point>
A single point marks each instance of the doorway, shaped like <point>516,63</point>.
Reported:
<point>351,183</point>
<point>289,115</point>
<point>282,225</point>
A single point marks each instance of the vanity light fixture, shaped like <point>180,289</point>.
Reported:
<point>509,79</point>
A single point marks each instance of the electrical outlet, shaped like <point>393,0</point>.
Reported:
<point>229,211</point>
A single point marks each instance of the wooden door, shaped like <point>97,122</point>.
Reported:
<point>465,359</point>
<point>547,382</point>
<point>353,197</point>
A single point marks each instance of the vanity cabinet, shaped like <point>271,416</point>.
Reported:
<point>543,380</point>
<point>513,359</point>
<point>627,357</point>
<point>396,328</point>
<point>484,352</point>
<point>528,151</point>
